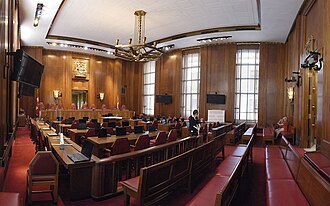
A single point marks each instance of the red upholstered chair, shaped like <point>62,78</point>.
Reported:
<point>89,133</point>
<point>104,106</point>
<point>172,135</point>
<point>73,106</point>
<point>10,198</point>
<point>155,124</point>
<point>110,130</point>
<point>105,124</point>
<point>128,129</point>
<point>120,146</point>
<point>43,171</point>
<point>74,126</point>
<point>177,126</point>
<point>142,142</point>
<point>184,124</point>
<point>90,124</point>
<point>93,106</point>
<point>160,139</point>
<point>84,106</point>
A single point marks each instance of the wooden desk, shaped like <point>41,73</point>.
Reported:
<point>80,173</point>
<point>165,127</point>
<point>145,124</point>
<point>133,122</point>
<point>268,134</point>
<point>64,128</point>
<point>103,142</point>
<point>74,134</point>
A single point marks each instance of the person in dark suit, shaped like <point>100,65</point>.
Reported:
<point>194,123</point>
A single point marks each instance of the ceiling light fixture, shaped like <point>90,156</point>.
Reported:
<point>37,14</point>
<point>213,39</point>
<point>80,47</point>
<point>139,50</point>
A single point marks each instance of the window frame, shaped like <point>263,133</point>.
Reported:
<point>149,109</point>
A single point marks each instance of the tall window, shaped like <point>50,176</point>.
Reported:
<point>149,75</point>
<point>247,85</point>
<point>190,83</point>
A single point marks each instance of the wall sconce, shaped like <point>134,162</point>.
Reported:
<point>290,93</point>
<point>294,79</point>
<point>57,94</point>
<point>37,14</point>
<point>101,96</point>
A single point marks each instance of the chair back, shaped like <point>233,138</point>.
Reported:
<point>128,129</point>
<point>155,124</point>
<point>43,163</point>
<point>73,126</point>
<point>184,124</point>
<point>105,124</point>
<point>110,131</point>
<point>161,138</point>
<point>142,142</point>
<point>90,124</point>
<point>120,146</point>
<point>172,135</point>
<point>90,133</point>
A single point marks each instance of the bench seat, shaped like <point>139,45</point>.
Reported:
<point>320,162</point>
<point>10,199</point>
<point>227,167</point>
<point>132,183</point>
<point>273,153</point>
<point>207,195</point>
<point>284,192</point>
<point>277,169</point>
<point>239,151</point>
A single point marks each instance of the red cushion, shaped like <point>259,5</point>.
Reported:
<point>207,195</point>
<point>326,173</point>
<point>300,150</point>
<point>273,153</point>
<point>10,199</point>
<point>227,167</point>
<point>239,151</point>
<point>318,159</point>
<point>284,192</point>
<point>287,134</point>
<point>277,169</point>
<point>133,182</point>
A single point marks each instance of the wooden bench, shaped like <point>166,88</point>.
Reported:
<point>158,181</point>
<point>268,134</point>
<point>320,160</point>
<point>291,180</point>
<point>248,134</point>
<point>221,189</point>
<point>235,134</point>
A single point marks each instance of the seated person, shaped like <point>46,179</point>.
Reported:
<point>281,126</point>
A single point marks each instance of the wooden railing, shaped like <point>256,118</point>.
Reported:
<point>109,171</point>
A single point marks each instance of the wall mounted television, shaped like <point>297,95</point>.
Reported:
<point>216,99</point>
<point>25,90</point>
<point>27,70</point>
<point>167,99</point>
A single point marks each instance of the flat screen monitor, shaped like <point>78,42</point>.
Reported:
<point>27,70</point>
<point>164,99</point>
<point>25,90</point>
<point>216,99</point>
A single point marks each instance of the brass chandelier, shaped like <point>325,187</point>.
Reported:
<point>139,50</point>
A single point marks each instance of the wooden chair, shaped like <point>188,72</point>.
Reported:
<point>172,135</point>
<point>43,171</point>
<point>160,139</point>
<point>142,142</point>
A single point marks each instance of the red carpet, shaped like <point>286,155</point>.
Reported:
<point>250,192</point>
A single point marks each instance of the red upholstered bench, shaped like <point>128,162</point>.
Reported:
<point>10,199</point>
<point>320,162</point>
<point>273,153</point>
<point>207,196</point>
<point>290,134</point>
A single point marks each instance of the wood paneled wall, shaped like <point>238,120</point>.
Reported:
<point>313,19</point>
<point>104,75</point>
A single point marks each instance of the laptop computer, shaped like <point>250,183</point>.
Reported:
<point>68,121</point>
<point>97,125</point>
<point>81,126</point>
<point>151,128</point>
<point>102,132</point>
<point>84,155</point>
<point>125,124</point>
<point>112,124</point>
<point>120,131</point>
<point>138,129</point>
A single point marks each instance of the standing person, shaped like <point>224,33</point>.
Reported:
<point>194,123</point>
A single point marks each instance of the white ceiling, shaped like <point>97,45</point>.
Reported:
<point>105,21</point>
